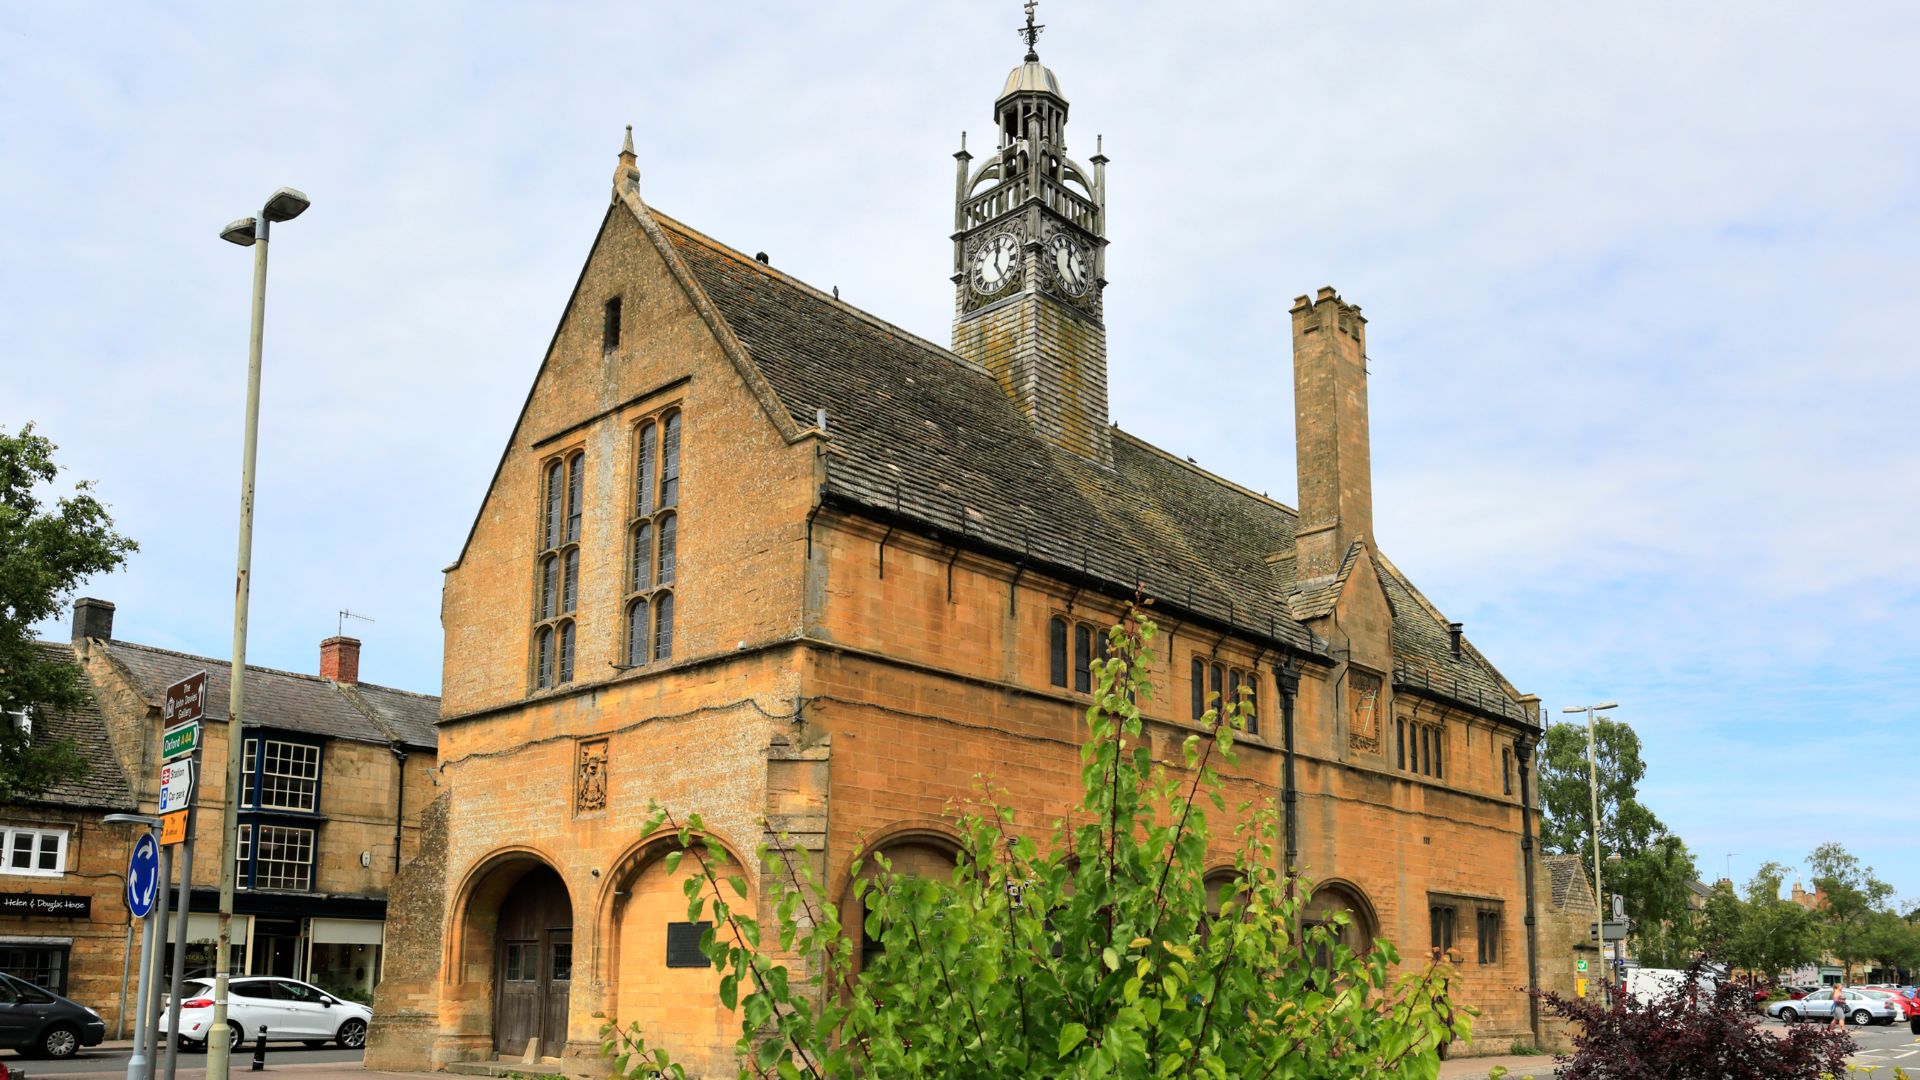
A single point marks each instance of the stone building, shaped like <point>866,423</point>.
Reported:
<point>338,774</point>
<point>63,912</point>
<point>754,552</point>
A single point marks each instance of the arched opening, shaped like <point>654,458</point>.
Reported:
<point>917,855</point>
<point>532,964</point>
<point>1333,897</point>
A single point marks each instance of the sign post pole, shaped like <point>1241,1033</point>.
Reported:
<point>180,714</point>
<point>146,857</point>
<point>152,1017</point>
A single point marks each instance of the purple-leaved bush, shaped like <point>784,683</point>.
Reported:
<point>1698,1030</point>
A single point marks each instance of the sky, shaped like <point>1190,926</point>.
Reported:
<point>1641,281</point>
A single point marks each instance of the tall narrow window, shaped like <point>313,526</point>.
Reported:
<point>643,499</point>
<point>1440,920</point>
<point>653,531</point>
<point>544,669</point>
<point>556,501</point>
<point>670,460</point>
<point>1439,756</point>
<point>549,587</point>
<point>639,622</point>
<point>1506,771</point>
<point>663,628</point>
<point>1400,741</point>
<point>1253,703</point>
<point>1083,658</point>
<point>566,651</point>
<point>1487,931</point>
<point>1217,686</point>
<point>1057,651</point>
<point>1199,679</point>
<point>557,569</point>
<point>610,329</point>
<point>576,481</point>
<point>669,543</point>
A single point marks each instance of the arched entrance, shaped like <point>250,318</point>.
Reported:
<point>1336,896</point>
<point>533,965</point>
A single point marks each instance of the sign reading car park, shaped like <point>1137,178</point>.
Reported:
<point>186,700</point>
<point>176,786</point>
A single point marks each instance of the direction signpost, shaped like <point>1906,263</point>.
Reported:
<point>143,888</point>
<point>180,745</point>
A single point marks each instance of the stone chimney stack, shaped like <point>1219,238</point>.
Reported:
<point>92,620</point>
<point>340,660</point>
<point>1330,432</point>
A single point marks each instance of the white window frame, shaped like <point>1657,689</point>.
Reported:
<point>260,863</point>
<point>256,796</point>
<point>35,849</point>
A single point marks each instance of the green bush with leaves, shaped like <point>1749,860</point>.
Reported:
<point>1101,952</point>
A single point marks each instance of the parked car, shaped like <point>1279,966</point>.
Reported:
<point>1861,1009</point>
<point>40,1023</point>
<point>1893,997</point>
<point>285,1010</point>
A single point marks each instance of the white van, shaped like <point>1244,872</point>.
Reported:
<point>1647,985</point>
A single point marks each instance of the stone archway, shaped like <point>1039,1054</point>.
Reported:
<point>913,853</point>
<point>533,965</point>
<point>510,957</point>
<point>1333,897</point>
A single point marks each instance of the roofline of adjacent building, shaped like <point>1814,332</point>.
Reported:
<point>395,738</point>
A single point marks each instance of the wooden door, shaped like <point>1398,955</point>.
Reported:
<point>534,966</point>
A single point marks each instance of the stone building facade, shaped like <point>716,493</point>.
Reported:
<point>754,552</point>
<point>338,773</point>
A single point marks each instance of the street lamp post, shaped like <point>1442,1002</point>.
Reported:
<point>1593,791</point>
<point>283,205</point>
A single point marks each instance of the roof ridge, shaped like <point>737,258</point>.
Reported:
<point>351,693</point>
<point>1195,468</point>
<point>111,643</point>
<point>723,248</point>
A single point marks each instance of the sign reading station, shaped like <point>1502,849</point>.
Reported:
<point>176,786</point>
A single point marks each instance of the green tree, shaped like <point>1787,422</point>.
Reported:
<point>1656,885</point>
<point>45,552</point>
<point>1853,895</point>
<point>1762,933</point>
<point>1654,869</point>
<point>1096,953</point>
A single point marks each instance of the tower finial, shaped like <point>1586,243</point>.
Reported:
<point>1031,32</point>
<point>626,175</point>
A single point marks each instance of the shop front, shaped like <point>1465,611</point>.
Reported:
<point>332,943</point>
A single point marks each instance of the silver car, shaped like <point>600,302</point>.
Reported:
<point>1860,1009</point>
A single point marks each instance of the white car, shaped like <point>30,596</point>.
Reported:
<point>286,1010</point>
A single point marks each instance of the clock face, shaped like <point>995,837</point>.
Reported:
<point>1070,263</point>
<point>995,264</point>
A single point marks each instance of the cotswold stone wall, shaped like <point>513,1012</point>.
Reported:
<point>407,1001</point>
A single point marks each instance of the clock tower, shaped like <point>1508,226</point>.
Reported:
<point>1029,259</point>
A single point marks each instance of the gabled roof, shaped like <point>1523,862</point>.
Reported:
<point>104,787</point>
<point>921,434</point>
<point>287,700</point>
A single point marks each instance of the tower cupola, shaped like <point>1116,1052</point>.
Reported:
<point>1029,262</point>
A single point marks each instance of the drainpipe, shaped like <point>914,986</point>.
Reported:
<point>399,804</point>
<point>1286,676</point>
<point>1523,752</point>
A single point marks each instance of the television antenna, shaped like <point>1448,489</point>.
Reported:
<point>340,624</point>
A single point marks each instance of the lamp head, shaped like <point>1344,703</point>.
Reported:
<point>239,232</point>
<point>285,205</point>
<point>132,819</point>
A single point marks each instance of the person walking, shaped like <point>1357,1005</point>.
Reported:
<point>1839,1007</point>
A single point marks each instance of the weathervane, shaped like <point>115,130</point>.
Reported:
<point>1031,32</point>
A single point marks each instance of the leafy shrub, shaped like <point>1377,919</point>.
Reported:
<point>1097,953</point>
<point>1699,1029</point>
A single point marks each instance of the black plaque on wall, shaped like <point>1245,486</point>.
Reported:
<point>683,945</point>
